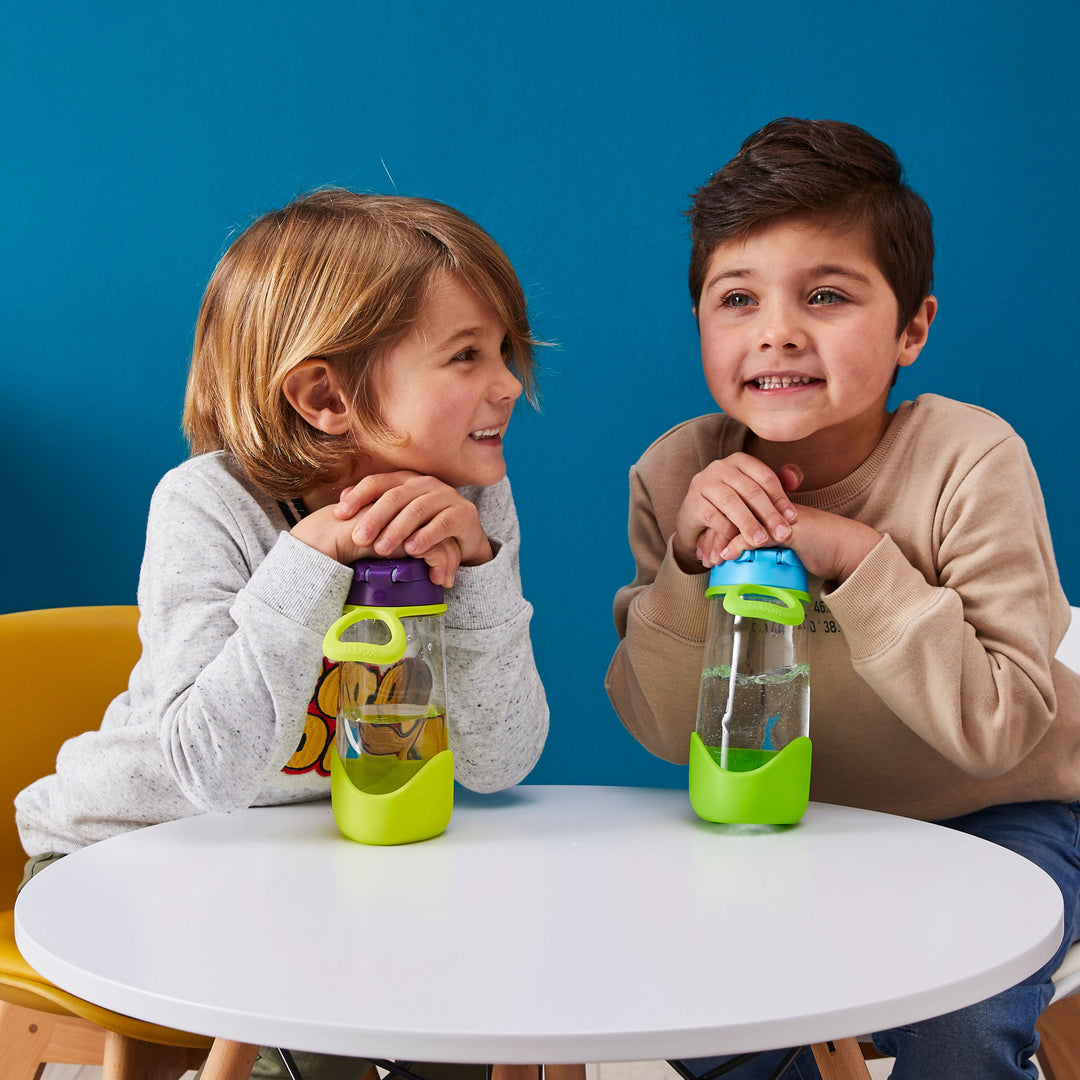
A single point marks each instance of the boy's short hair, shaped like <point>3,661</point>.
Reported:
<point>828,170</point>
<point>338,276</point>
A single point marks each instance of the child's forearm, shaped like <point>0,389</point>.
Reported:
<point>234,674</point>
<point>654,675</point>
<point>956,662</point>
<point>496,706</point>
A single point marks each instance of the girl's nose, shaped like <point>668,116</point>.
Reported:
<point>506,386</point>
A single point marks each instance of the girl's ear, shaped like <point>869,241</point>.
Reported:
<point>313,390</point>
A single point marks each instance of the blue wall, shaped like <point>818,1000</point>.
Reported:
<point>138,139</point>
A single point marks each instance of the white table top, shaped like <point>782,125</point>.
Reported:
<point>553,924</point>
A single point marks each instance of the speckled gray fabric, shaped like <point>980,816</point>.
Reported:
<point>232,615</point>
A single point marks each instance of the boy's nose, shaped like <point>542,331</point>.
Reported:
<point>781,329</point>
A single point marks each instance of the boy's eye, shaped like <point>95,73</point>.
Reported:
<point>826,296</point>
<point>736,300</point>
<point>464,357</point>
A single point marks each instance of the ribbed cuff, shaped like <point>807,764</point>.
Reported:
<point>878,602</point>
<point>676,601</point>
<point>300,583</point>
<point>485,596</point>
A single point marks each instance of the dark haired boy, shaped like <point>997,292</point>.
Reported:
<point>937,605</point>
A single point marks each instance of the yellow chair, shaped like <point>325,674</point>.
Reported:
<point>84,654</point>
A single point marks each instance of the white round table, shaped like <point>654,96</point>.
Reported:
<point>553,924</point>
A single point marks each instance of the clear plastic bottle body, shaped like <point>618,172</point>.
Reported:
<point>394,711</point>
<point>755,688</point>
<point>391,769</point>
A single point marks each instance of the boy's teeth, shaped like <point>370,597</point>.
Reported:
<point>487,433</point>
<point>778,382</point>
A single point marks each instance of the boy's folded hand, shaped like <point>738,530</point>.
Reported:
<point>831,546</point>
<point>734,504</point>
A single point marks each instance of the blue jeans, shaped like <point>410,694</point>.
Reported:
<point>993,1039</point>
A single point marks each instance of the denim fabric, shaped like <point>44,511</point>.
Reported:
<point>993,1039</point>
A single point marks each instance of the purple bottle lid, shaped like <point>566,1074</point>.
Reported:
<point>393,583</point>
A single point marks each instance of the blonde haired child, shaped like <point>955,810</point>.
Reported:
<point>356,362</point>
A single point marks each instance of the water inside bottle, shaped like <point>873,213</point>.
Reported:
<point>401,731</point>
<point>747,719</point>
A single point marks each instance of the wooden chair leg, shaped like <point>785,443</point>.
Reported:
<point>564,1072</point>
<point>1059,1035</point>
<point>23,1041</point>
<point>29,1037</point>
<point>133,1059</point>
<point>515,1072</point>
<point>840,1060</point>
<point>229,1060</point>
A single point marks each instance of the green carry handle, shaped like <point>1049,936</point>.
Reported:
<point>364,652</point>
<point>739,600</point>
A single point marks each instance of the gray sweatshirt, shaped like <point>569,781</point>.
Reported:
<point>232,613</point>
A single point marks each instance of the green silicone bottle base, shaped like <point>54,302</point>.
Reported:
<point>775,793</point>
<point>387,801</point>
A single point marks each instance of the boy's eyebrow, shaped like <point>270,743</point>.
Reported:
<point>825,269</point>
<point>842,271</point>
<point>724,275</point>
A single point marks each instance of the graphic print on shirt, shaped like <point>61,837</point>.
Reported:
<point>821,620</point>
<point>313,753</point>
<point>407,682</point>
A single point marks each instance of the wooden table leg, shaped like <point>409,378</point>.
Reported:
<point>229,1061</point>
<point>840,1060</point>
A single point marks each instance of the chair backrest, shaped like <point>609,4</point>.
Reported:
<point>1069,650</point>
<point>59,669</point>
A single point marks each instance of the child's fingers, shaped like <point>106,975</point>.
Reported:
<point>443,560</point>
<point>350,503</point>
<point>460,523</point>
<point>712,543</point>
<point>377,520</point>
<point>442,527</point>
<point>755,510</point>
<point>732,550</point>
<point>764,490</point>
<point>411,519</point>
<point>790,476</point>
<point>353,499</point>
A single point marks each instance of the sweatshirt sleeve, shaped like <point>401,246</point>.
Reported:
<point>233,641</point>
<point>660,617</point>
<point>965,660</point>
<point>497,711</point>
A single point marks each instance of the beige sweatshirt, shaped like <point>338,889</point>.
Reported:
<point>933,688</point>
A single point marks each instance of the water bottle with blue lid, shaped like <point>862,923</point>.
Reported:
<point>750,753</point>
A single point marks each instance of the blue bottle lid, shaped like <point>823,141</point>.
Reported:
<point>778,567</point>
